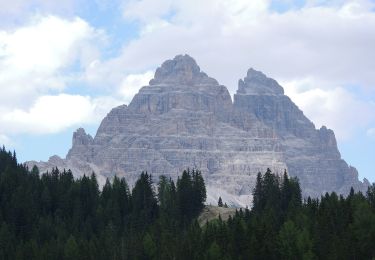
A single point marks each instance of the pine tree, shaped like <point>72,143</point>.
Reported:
<point>167,198</point>
<point>258,200</point>
<point>149,246</point>
<point>371,195</point>
<point>144,203</point>
<point>220,202</point>
<point>184,196</point>
<point>214,252</point>
<point>199,191</point>
<point>71,249</point>
<point>288,241</point>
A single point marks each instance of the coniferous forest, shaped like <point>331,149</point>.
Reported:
<point>54,216</point>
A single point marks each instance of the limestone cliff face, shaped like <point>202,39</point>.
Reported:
<point>310,154</point>
<point>265,98</point>
<point>185,119</point>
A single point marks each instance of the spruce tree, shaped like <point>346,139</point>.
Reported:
<point>220,202</point>
<point>258,200</point>
<point>144,203</point>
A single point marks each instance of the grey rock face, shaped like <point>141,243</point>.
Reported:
<point>185,119</point>
<point>257,83</point>
<point>309,154</point>
<point>181,70</point>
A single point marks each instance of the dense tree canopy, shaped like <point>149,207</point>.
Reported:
<point>54,216</point>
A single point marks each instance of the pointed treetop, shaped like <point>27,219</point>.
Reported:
<point>220,202</point>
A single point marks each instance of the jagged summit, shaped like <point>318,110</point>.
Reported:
<point>256,83</point>
<point>184,70</point>
<point>185,119</point>
<point>179,84</point>
<point>81,138</point>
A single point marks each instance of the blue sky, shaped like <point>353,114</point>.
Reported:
<point>65,65</point>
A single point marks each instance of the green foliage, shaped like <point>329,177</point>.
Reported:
<point>71,249</point>
<point>149,246</point>
<point>294,243</point>
<point>191,195</point>
<point>214,252</point>
<point>54,216</point>
<point>144,203</point>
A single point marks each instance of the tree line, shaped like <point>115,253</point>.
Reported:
<point>54,216</point>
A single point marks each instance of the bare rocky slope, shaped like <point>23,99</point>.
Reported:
<point>185,119</point>
<point>210,213</point>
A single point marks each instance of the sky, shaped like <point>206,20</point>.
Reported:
<point>65,64</point>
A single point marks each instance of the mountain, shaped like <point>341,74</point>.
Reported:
<point>185,119</point>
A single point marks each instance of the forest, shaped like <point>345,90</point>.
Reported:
<point>55,216</point>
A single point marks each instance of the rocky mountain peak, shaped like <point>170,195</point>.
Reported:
<point>182,70</point>
<point>256,83</point>
<point>81,138</point>
<point>80,142</point>
<point>185,119</point>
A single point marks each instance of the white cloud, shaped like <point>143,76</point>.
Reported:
<point>146,11</point>
<point>5,140</point>
<point>33,58</point>
<point>102,106</point>
<point>186,11</point>
<point>36,61</point>
<point>51,114</point>
<point>333,107</point>
<point>327,45</point>
<point>331,43</point>
<point>18,11</point>
<point>132,83</point>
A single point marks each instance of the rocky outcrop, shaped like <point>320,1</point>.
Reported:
<point>256,83</point>
<point>210,213</point>
<point>185,119</point>
<point>310,154</point>
<point>182,70</point>
<point>265,98</point>
<point>80,145</point>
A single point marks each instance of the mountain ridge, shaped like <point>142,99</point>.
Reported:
<point>184,118</point>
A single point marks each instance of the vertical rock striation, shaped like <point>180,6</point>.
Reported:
<point>185,119</point>
<point>310,154</point>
